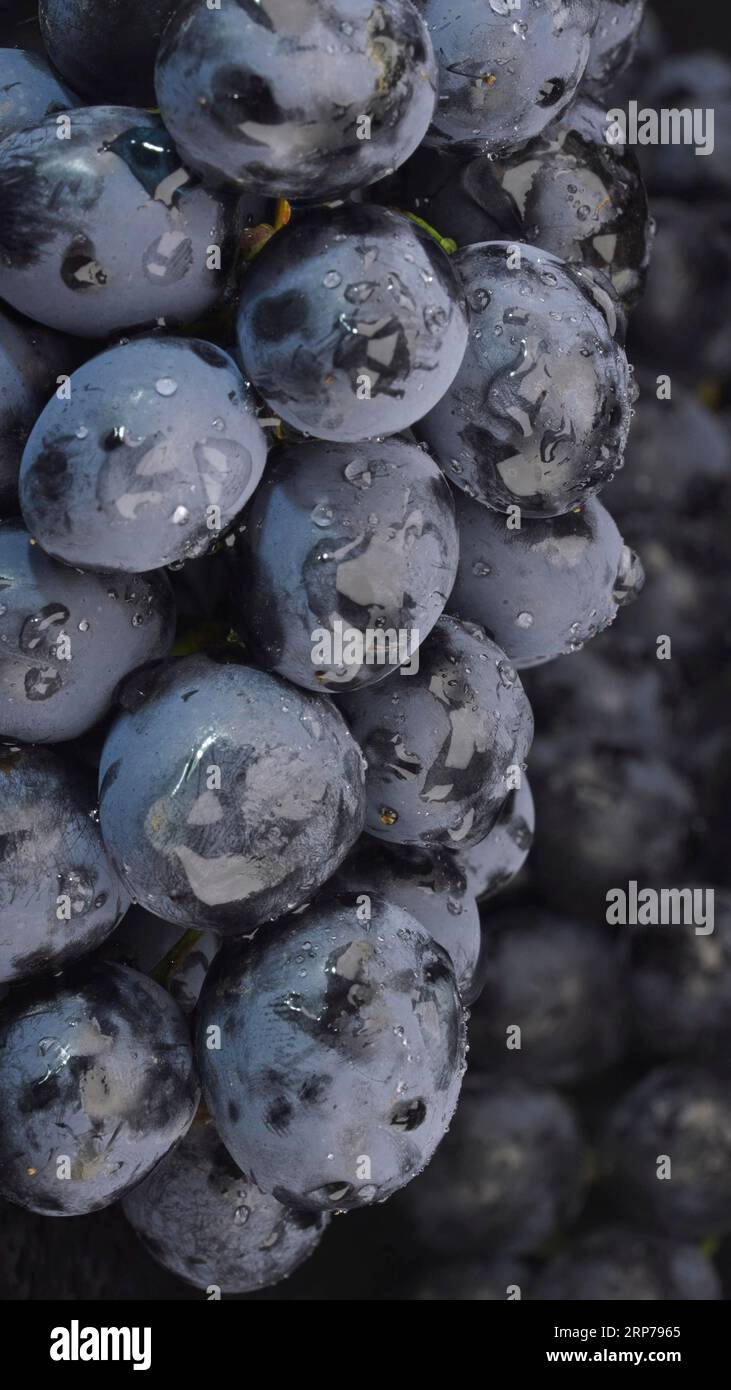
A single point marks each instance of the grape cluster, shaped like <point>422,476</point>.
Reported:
<point>316,323</point>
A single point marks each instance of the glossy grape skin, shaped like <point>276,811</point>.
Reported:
<point>31,360</point>
<point>564,984</point>
<point>432,887</point>
<point>29,91</point>
<point>440,744</point>
<point>52,861</point>
<point>231,849</point>
<point>177,959</point>
<point>364,537</point>
<point>105,231</point>
<point>200,1217</point>
<point>503,73</point>
<point>272,99</point>
<point>568,192</point>
<point>618,1264</point>
<point>491,864</point>
<point>352,323</point>
<point>106,49</point>
<point>124,473</point>
<point>613,43</point>
<point>472,1198</point>
<point>340,1039</point>
<point>606,815</point>
<point>52,690</point>
<point>539,412</point>
<point>95,1067</point>
<point>683,1114</point>
<point>545,589</point>
<point>680,987</point>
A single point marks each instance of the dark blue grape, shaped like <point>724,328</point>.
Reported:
<point>546,588</point>
<point>618,1264</point>
<point>680,986</point>
<point>691,82</point>
<point>491,864</point>
<point>332,1052</point>
<point>203,1219</point>
<point>605,697</point>
<point>432,887</point>
<point>155,452</point>
<point>345,543</point>
<point>509,1176</point>
<point>59,895</point>
<point>539,412</point>
<point>227,797</point>
<point>31,361</point>
<point>505,71</point>
<point>352,323</point>
<point>274,99</point>
<point>29,91</point>
<point>105,230</point>
<point>682,1115</point>
<point>67,639</point>
<point>106,50</point>
<point>563,984</point>
<point>442,745</point>
<point>613,42</point>
<point>96,1085</point>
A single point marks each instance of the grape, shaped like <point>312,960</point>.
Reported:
<point>444,744</point>
<point>539,412</point>
<point>204,1220</point>
<point>340,1056</point>
<point>106,49</point>
<point>607,815</point>
<point>352,324</point>
<point>504,71</point>
<point>227,797</point>
<point>30,91</point>
<point>681,986</point>
<point>31,361</point>
<point>432,887</point>
<point>96,1085</point>
<point>568,191</point>
<point>309,101</point>
<point>691,81</point>
<point>617,1264</point>
<point>491,864</point>
<point>682,1115</point>
<point>155,451</point>
<point>546,588</point>
<point>343,541</point>
<point>509,1175</point>
<point>67,639</point>
<point>129,239</point>
<point>613,42</point>
<point>59,896</point>
<point>563,984</point>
